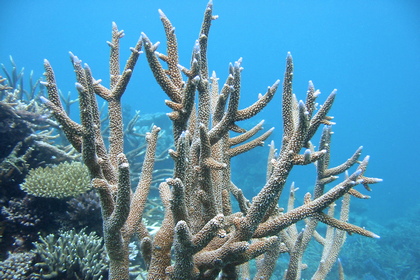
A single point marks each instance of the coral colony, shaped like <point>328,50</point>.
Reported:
<point>208,229</point>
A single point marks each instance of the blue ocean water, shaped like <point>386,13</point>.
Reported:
<point>368,50</point>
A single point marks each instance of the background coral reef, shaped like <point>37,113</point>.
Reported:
<point>367,49</point>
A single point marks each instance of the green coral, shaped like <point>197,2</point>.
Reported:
<point>60,181</point>
<point>71,256</point>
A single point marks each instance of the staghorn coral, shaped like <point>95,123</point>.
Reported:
<point>15,80</point>
<point>135,144</point>
<point>3,86</point>
<point>63,180</point>
<point>200,236</point>
<point>70,255</point>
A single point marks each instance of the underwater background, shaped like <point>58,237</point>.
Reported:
<point>368,50</point>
